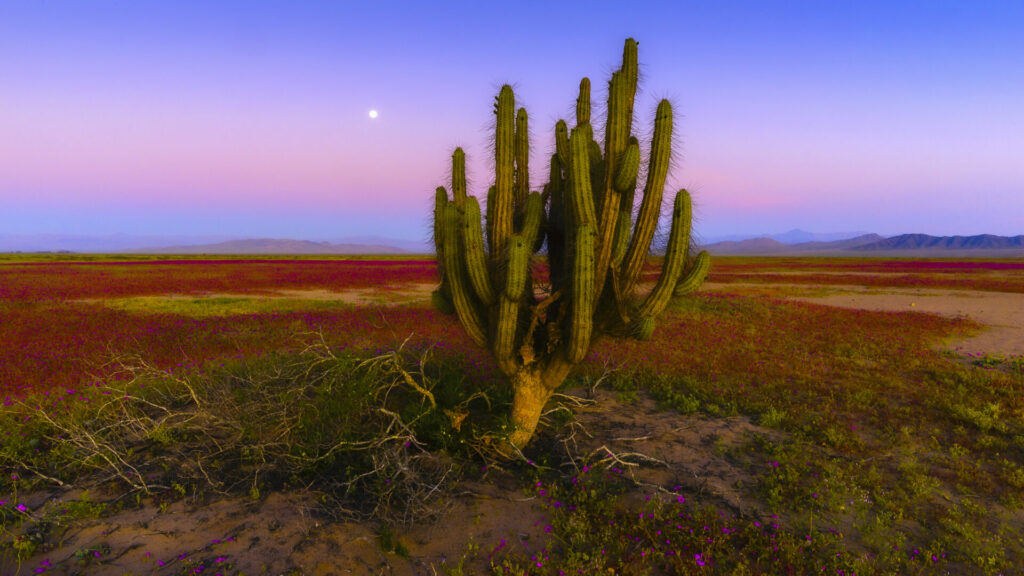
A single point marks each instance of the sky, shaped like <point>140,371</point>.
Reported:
<point>252,118</point>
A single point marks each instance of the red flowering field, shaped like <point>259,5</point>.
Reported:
<point>999,275</point>
<point>58,332</point>
<point>39,281</point>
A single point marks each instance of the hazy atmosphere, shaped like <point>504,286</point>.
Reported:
<point>254,118</point>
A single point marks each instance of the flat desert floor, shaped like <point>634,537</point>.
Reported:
<point>282,534</point>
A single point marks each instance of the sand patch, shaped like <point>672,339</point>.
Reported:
<point>285,533</point>
<point>687,451</point>
<point>1002,313</point>
<point>403,295</point>
<point>207,304</point>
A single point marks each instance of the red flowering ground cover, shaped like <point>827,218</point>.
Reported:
<point>75,280</point>
<point>72,345</point>
<point>1004,275</point>
<point>901,265</point>
<point>54,341</point>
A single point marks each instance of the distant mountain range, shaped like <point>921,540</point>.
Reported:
<point>274,246</point>
<point>795,236</point>
<point>415,246</point>
<point>926,242</point>
<point>875,245</point>
<point>792,243</point>
<point>126,243</point>
<point>98,242</point>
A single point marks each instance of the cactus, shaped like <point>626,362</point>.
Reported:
<point>695,277</point>
<point>596,251</point>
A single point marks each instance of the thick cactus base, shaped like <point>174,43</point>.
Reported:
<point>531,395</point>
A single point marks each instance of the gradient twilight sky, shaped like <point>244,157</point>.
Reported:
<point>251,118</point>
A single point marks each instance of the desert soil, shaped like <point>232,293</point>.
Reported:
<point>1002,313</point>
<point>484,519</point>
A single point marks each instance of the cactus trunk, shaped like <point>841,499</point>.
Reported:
<point>530,397</point>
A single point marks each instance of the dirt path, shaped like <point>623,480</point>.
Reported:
<point>1001,312</point>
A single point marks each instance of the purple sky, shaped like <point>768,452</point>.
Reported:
<point>251,118</point>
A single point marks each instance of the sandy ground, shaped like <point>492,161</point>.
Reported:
<point>284,534</point>
<point>1002,313</point>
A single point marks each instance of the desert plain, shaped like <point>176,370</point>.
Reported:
<point>794,416</point>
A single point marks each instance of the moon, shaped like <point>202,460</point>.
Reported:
<point>373,114</point>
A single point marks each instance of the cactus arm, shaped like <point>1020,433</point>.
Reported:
<point>581,272</point>
<point>627,169</point>
<point>695,276</point>
<point>476,260</point>
<point>621,238</point>
<point>596,172</point>
<point>629,190</point>
<point>490,217</point>
<point>581,192</point>
<point>581,319</point>
<point>516,271</point>
<point>518,267</point>
<point>616,125</point>
<point>442,303</point>
<point>459,177</point>
<point>625,182</point>
<point>562,142</point>
<point>616,137</point>
<point>533,213</point>
<point>631,71</point>
<point>583,110</point>
<point>505,334</point>
<point>583,103</point>
<point>522,156</point>
<point>440,201</point>
<point>442,297</point>
<point>650,206</point>
<point>675,258</point>
<point>504,161</point>
<point>642,328</point>
<point>556,225</point>
<point>555,183</point>
<point>469,315</point>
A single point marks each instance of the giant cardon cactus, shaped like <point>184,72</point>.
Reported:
<point>539,330</point>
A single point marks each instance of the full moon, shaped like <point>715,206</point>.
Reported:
<point>373,113</point>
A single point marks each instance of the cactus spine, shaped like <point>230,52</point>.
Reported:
<point>596,253</point>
